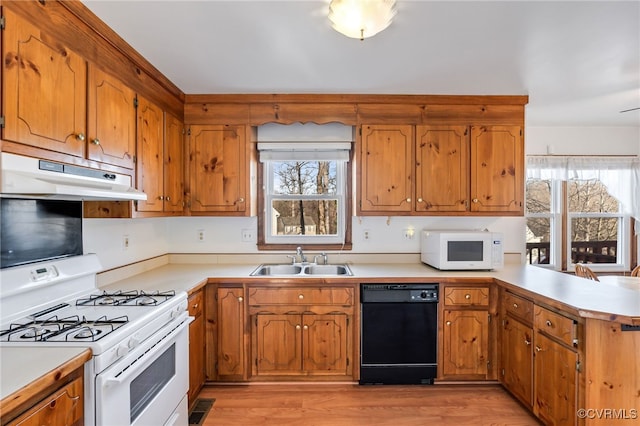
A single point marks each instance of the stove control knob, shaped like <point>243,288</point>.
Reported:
<point>122,350</point>
<point>133,342</point>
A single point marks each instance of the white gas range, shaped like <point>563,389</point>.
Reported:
<point>139,339</point>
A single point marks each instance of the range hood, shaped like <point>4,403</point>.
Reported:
<point>33,178</point>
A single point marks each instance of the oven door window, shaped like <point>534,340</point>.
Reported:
<point>150,382</point>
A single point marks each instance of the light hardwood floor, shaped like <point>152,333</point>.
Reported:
<point>353,405</point>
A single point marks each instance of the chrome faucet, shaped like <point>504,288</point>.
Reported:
<point>323,255</point>
<point>301,255</point>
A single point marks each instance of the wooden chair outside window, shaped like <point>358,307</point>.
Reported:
<point>585,272</point>
<point>636,271</point>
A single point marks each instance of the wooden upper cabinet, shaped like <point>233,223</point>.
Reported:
<point>218,169</point>
<point>44,89</point>
<point>150,155</point>
<point>173,164</point>
<point>442,168</point>
<point>112,120</point>
<point>497,169</point>
<point>386,158</point>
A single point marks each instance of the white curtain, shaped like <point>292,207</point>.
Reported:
<point>621,175</point>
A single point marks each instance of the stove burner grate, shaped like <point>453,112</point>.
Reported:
<point>54,328</point>
<point>126,298</point>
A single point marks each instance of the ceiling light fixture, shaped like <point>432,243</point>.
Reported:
<point>361,18</point>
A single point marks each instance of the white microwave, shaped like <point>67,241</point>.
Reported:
<point>462,250</point>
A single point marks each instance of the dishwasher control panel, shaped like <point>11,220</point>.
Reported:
<point>399,293</point>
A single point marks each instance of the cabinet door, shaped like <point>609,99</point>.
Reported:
<point>44,89</point>
<point>173,164</point>
<point>277,344</point>
<point>386,153</point>
<point>555,382</point>
<point>63,407</point>
<point>466,343</point>
<point>517,359</point>
<point>150,156</point>
<point>324,344</point>
<point>196,345</point>
<point>497,169</point>
<point>218,164</point>
<point>442,168</point>
<point>231,352</point>
<point>111,120</point>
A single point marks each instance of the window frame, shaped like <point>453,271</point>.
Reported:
<point>290,243</point>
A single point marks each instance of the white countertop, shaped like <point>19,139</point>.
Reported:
<point>588,298</point>
<point>21,366</point>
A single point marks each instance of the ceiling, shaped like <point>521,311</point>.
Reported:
<point>578,61</point>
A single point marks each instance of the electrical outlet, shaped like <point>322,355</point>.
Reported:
<point>408,233</point>
<point>366,234</point>
<point>247,236</point>
<point>125,242</point>
<point>201,236</point>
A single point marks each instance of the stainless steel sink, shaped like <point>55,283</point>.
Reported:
<point>300,270</point>
<point>327,270</point>
<point>286,269</point>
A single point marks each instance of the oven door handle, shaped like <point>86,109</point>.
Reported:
<point>123,375</point>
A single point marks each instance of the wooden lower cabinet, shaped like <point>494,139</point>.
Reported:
<point>555,382</point>
<point>517,359</point>
<point>301,344</point>
<point>465,343</point>
<point>231,325</point>
<point>63,407</point>
<point>196,344</point>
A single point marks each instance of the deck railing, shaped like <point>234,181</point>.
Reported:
<point>581,252</point>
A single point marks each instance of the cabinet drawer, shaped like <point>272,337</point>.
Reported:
<point>518,307</point>
<point>466,296</point>
<point>555,325</point>
<point>195,304</point>
<point>301,296</point>
<point>64,406</point>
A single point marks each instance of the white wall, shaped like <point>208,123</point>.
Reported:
<point>582,140</point>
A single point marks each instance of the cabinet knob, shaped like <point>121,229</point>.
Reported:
<point>301,296</point>
<point>306,327</point>
<point>549,323</point>
<point>467,296</point>
<point>408,200</point>
<point>195,306</point>
<point>298,327</point>
<point>448,322</point>
<point>240,299</point>
<point>528,342</point>
<point>475,200</point>
<point>241,200</point>
<point>167,198</point>
<point>96,141</point>
<point>419,200</point>
<point>80,136</point>
<point>538,348</point>
<point>160,197</point>
<point>515,306</point>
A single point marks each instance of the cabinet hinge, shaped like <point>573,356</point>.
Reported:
<point>504,323</point>
<point>189,131</point>
<point>1,121</point>
<point>135,159</point>
<point>256,362</point>
<point>502,372</point>
<point>348,362</point>
<point>2,22</point>
<point>135,102</point>
<point>489,316</point>
<point>578,366</point>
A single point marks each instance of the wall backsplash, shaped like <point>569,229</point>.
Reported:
<point>157,236</point>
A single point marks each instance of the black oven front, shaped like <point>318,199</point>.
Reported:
<point>399,333</point>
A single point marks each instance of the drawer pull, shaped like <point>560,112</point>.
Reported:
<point>240,299</point>
<point>515,306</point>
<point>467,296</point>
<point>301,296</point>
<point>549,323</point>
<point>448,322</point>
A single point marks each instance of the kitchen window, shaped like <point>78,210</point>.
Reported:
<point>305,194</point>
<point>579,210</point>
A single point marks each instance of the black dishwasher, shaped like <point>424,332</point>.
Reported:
<point>399,333</point>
